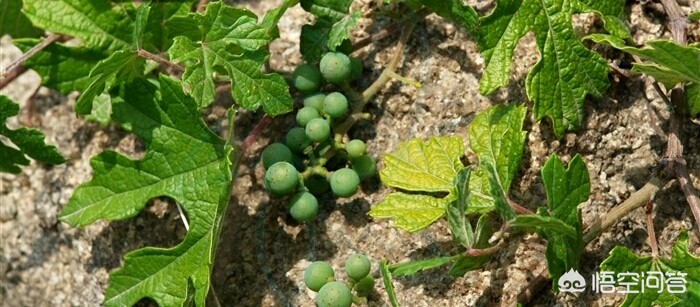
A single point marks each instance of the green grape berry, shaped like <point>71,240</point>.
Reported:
<point>318,130</point>
<point>365,166</point>
<point>355,68</point>
<point>318,274</point>
<point>335,105</point>
<point>304,207</point>
<point>335,67</point>
<point>305,115</point>
<point>297,140</point>
<point>355,149</point>
<point>307,78</point>
<point>317,184</point>
<point>344,182</point>
<point>315,101</point>
<point>334,294</point>
<point>365,286</point>
<point>274,153</point>
<point>281,178</point>
<point>357,266</point>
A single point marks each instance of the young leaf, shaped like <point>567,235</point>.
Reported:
<point>412,212</point>
<point>495,136</point>
<point>228,38</point>
<point>340,31</point>
<point>388,285</point>
<point>273,17</point>
<point>197,175</point>
<point>681,261</point>
<point>566,189</point>
<point>29,142</point>
<point>13,22</point>
<point>533,222</point>
<point>464,263</point>
<point>463,15</point>
<point>424,166</point>
<point>694,16</point>
<point>413,267</point>
<point>459,224</point>
<point>567,71</point>
<point>315,38</point>
<point>420,167</point>
<point>673,62</point>
<point>497,191</point>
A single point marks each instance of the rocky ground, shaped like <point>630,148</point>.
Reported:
<point>262,254</point>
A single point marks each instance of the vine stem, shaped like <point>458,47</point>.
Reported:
<point>649,210</point>
<point>159,59</point>
<point>15,69</point>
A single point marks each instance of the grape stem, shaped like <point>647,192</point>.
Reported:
<point>361,301</point>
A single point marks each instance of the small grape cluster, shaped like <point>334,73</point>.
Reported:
<point>319,277</point>
<point>314,157</point>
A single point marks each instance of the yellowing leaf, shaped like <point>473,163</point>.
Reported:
<point>412,212</point>
<point>424,166</point>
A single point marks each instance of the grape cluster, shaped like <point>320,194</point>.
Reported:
<point>313,157</point>
<point>319,277</point>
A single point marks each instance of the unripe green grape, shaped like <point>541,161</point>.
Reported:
<point>318,274</point>
<point>274,153</point>
<point>365,166</point>
<point>317,184</point>
<point>365,286</point>
<point>297,140</point>
<point>344,182</point>
<point>304,207</point>
<point>335,67</point>
<point>305,115</point>
<point>307,78</point>
<point>356,68</point>
<point>335,105</point>
<point>334,294</point>
<point>355,148</point>
<point>357,266</point>
<point>315,101</point>
<point>281,178</point>
<point>318,130</point>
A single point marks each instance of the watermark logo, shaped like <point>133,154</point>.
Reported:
<point>572,281</point>
<point>625,282</point>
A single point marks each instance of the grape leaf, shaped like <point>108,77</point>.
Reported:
<point>413,267</point>
<point>682,261</point>
<point>29,142</point>
<point>185,161</point>
<point>672,63</point>
<point>463,15</point>
<point>566,189</point>
<point>388,285</point>
<point>314,38</point>
<point>273,17</point>
<point>567,71</point>
<point>412,212</point>
<point>340,31</point>
<point>121,66</point>
<point>694,16</point>
<point>228,41</point>
<point>13,22</point>
<point>61,67</point>
<point>424,166</point>
<point>692,98</point>
<point>463,263</point>
<point>96,23</point>
<point>496,137</point>
<point>497,191</point>
<point>460,228</point>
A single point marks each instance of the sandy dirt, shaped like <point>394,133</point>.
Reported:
<point>262,254</point>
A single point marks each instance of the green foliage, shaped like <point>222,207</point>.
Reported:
<point>388,284</point>
<point>671,63</point>
<point>621,259</point>
<point>314,40</point>
<point>198,177</point>
<point>340,31</point>
<point>29,142</point>
<point>413,267</point>
<point>692,98</point>
<point>567,71</point>
<point>13,22</point>
<point>228,41</point>
<point>463,15</point>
